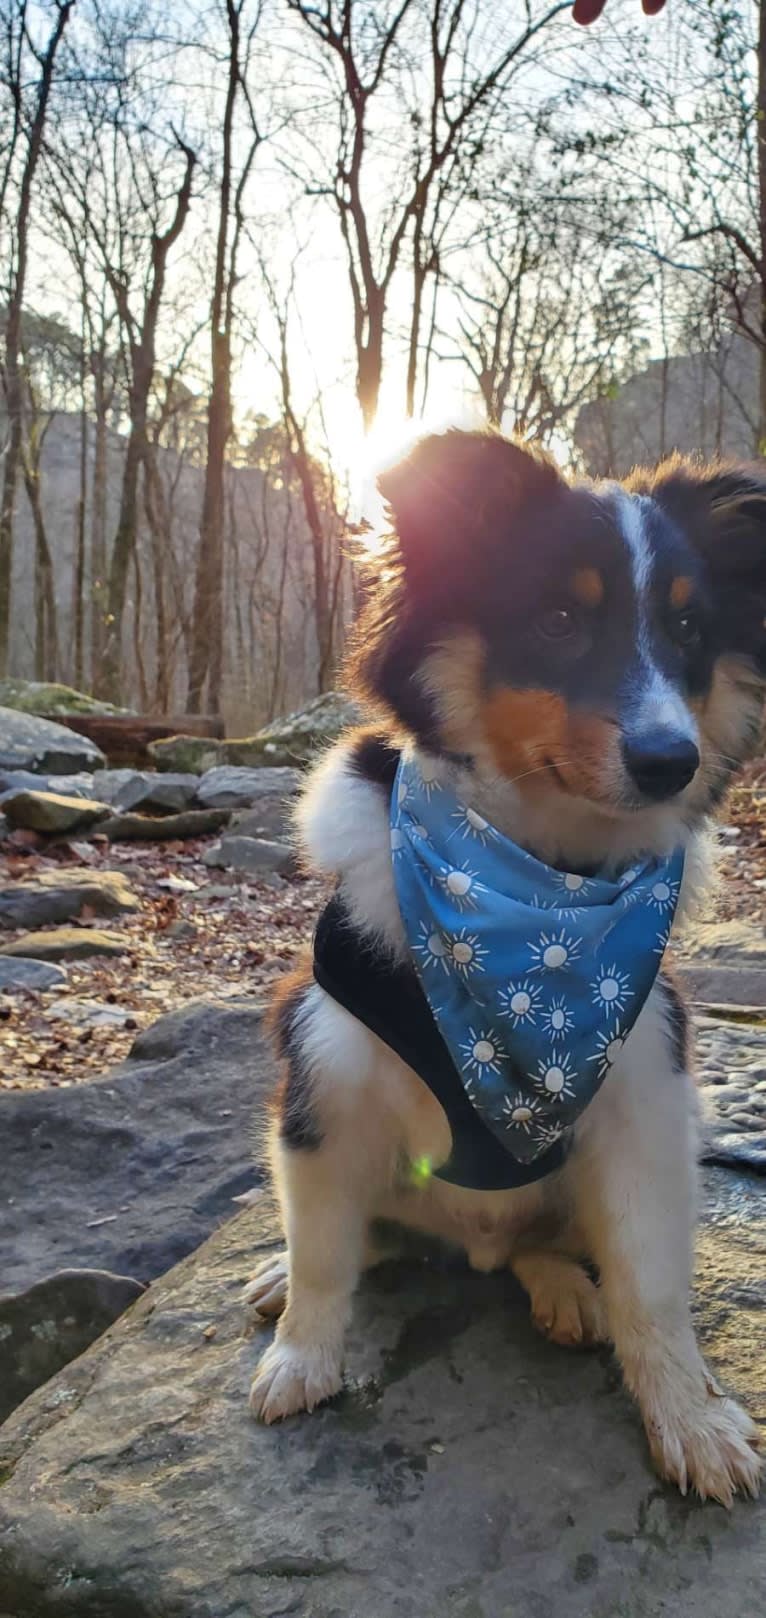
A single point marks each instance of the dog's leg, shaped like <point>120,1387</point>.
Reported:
<point>325,1221</point>
<point>631,1177</point>
<point>266,1291</point>
<point>566,1305</point>
<point>333,1156</point>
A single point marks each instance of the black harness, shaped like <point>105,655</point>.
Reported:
<point>386,996</point>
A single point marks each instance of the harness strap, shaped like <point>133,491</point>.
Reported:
<point>386,996</point>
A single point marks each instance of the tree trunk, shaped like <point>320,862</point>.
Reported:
<point>122,553</point>
<point>158,535</point>
<point>206,657</point>
<point>143,350</point>
<point>370,362</point>
<point>13,378</point>
<point>78,589</point>
<point>761,136</point>
<point>46,623</point>
<point>98,561</point>
<point>205,662</point>
<point>418,287</point>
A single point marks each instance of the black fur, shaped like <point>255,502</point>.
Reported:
<point>374,757</point>
<point>678,1023</point>
<point>299,1128</point>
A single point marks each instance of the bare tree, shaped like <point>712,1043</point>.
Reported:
<point>683,138</point>
<point>26,139</point>
<point>140,331</point>
<point>369,58</point>
<point>206,655</point>
<point>544,320</point>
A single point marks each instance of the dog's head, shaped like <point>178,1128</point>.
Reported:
<point>604,643</point>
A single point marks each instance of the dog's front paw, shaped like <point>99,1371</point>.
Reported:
<point>290,1379</point>
<point>566,1306</point>
<point>266,1293</point>
<point>708,1446</point>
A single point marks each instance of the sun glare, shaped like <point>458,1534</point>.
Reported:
<point>392,434</point>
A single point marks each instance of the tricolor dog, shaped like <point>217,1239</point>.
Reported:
<point>485,1045</point>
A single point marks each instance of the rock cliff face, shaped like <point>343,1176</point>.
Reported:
<point>701,404</point>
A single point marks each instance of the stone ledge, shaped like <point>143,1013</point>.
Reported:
<point>470,1470</point>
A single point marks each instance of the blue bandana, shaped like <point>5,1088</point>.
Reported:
<point>534,976</point>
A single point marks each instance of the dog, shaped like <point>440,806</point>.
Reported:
<point>584,664</point>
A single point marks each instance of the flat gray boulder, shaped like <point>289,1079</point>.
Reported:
<point>469,1470</point>
<point>148,789</point>
<point>51,811</point>
<point>132,1170</point>
<point>232,787</point>
<point>48,897</point>
<point>19,973</point>
<point>80,785</point>
<point>51,1323</point>
<point>732,1083</point>
<point>727,943</point>
<point>252,854</point>
<point>30,743</point>
<point>67,944</point>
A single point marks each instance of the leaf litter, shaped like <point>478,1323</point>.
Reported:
<point>218,935</point>
<point>200,933</point>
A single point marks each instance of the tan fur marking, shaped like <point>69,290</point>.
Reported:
<point>525,729</point>
<point>681,591</point>
<point>452,675</point>
<point>588,586</point>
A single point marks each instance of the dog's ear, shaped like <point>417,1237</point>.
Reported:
<point>455,488</point>
<point>723,508</point>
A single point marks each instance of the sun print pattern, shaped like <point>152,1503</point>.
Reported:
<point>555,951</point>
<point>535,976</point>
<point>520,1001</point>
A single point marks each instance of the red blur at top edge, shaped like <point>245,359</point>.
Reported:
<point>586,11</point>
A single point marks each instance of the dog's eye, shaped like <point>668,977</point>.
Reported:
<point>686,629</point>
<point>557,623</point>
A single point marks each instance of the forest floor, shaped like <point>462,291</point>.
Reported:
<point>202,932</point>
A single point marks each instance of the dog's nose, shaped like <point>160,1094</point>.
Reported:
<point>660,762</point>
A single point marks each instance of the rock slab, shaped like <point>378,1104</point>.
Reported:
<point>293,740</point>
<point>231,787</point>
<point>49,699</point>
<point>49,1324</point>
<point>732,1084</point>
<point>147,789</point>
<point>469,1470</point>
<point>131,1171</point>
<point>61,895</point>
<point>253,854</point>
<point>67,944</point>
<point>20,973</point>
<point>30,743</point>
<point>52,811</point>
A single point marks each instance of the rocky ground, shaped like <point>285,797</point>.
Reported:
<point>197,929</point>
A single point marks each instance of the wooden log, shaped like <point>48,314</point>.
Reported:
<point>125,738</point>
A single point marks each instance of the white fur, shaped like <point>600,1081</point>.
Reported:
<point>343,830</point>
<point>658,703</point>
